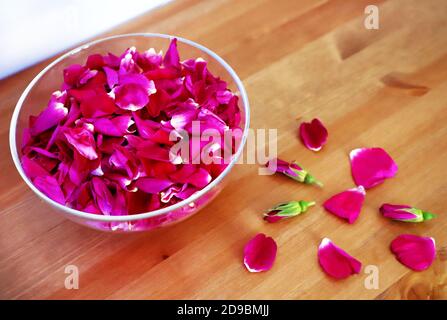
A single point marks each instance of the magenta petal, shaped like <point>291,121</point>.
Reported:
<point>260,253</point>
<point>115,127</point>
<point>32,168</point>
<point>152,185</point>
<point>200,178</point>
<point>347,204</point>
<point>102,196</point>
<point>112,77</point>
<point>414,252</point>
<point>83,141</point>
<point>72,74</point>
<point>133,92</point>
<point>172,58</point>
<point>50,187</point>
<point>371,166</point>
<point>335,261</point>
<point>313,134</point>
<point>52,115</point>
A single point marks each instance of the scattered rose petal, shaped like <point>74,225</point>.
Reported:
<point>371,166</point>
<point>414,252</point>
<point>287,210</point>
<point>313,134</point>
<point>336,262</point>
<point>291,170</point>
<point>405,213</point>
<point>347,204</point>
<point>260,253</point>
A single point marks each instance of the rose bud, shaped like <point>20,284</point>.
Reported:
<point>287,210</point>
<point>405,213</point>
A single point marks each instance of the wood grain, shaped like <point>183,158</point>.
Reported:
<point>308,58</point>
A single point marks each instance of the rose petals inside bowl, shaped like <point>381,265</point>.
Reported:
<point>130,138</point>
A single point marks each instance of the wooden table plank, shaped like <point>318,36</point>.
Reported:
<point>298,59</point>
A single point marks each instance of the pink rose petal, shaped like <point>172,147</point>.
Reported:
<point>260,253</point>
<point>82,140</point>
<point>32,168</point>
<point>152,185</point>
<point>347,204</point>
<point>112,77</point>
<point>414,252</point>
<point>313,134</point>
<point>133,92</point>
<point>102,196</point>
<point>336,262</point>
<point>172,58</point>
<point>50,187</point>
<point>94,103</point>
<point>52,115</point>
<point>115,127</point>
<point>371,166</point>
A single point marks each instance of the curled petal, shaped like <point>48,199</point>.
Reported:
<point>336,262</point>
<point>313,134</point>
<point>287,210</point>
<point>405,213</point>
<point>371,166</point>
<point>260,253</point>
<point>82,140</point>
<point>291,170</point>
<point>414,252</point>
<point>347,204</point>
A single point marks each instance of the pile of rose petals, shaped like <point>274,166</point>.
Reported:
<point>370,167</point>
<point>102,145</point>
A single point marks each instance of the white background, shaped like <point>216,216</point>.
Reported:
<point>32,30</point>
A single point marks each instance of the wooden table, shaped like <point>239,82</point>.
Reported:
<point>308,58</point>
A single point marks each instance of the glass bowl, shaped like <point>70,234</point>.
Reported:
<point>38,92</point>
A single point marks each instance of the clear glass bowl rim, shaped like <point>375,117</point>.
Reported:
<point>96,217</point>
